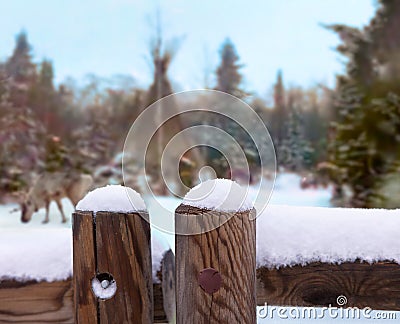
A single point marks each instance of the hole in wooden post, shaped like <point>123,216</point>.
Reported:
<point>104,286</point>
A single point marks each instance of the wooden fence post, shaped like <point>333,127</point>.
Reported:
<point>113,249</point>
<point>216,270</point>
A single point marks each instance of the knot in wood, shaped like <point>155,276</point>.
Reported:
<point>210,280</point>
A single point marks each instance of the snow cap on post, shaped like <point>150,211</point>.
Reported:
<point>220,195</point>
<point>112,198</point>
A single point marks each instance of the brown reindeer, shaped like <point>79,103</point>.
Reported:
<point>54,186</point>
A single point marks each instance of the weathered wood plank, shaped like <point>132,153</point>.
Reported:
<point>123,250</point>
<point>168,285</point>
<point>51,302</point>
<point>319,284</point>
<point>84,267</point>
<point>159,314</point>
<point>34,302</point>
<point>229,249</point>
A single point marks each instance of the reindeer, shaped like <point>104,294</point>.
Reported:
<point>54,186</point>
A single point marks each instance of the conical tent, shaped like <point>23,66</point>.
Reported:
<point>160,88</point>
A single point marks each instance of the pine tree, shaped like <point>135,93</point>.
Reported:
<point>21,152</point>
<point>366,145</point>
<point>315,124</point>
<point>57,156</point>
<point>295,151</point>
<point>280,115</point>
<point>21,133</point>
<point>45,101</point>
<point>94,145</point>
<point>19,66</point>
<point>20,71</point>
<point>42,91</point>
<point>229,78</point>
<point>384,34</point>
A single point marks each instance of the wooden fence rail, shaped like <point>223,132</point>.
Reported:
<point>375,285</point>
<point>52,302</point>
<point>319,284</point>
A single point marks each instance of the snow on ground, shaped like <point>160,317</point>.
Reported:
<point>287,191</point>
<point>43,252</point>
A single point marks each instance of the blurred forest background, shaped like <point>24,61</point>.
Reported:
<point>347,136</point>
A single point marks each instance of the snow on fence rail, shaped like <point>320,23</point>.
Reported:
<point>309,256</point>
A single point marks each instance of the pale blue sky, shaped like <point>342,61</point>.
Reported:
<point>109,37</point>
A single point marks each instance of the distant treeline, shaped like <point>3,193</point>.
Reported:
<point>349,135</point>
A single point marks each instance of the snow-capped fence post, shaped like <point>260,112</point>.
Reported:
<point>112,273</point>
<point>216,266</point>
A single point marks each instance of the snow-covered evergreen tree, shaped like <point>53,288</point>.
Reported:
<point>57,156</point>
<point>295,150</point>
<point>366,145</point>
<point>21,136</point>
<point>229,78</point>
<point>93,144</point>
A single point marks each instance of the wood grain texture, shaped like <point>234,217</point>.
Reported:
<point>51,302</point>
<point>123,250</point>
<point>168,285</point>
<point>230,249</point>
<point>376,286</point>
<point>159,314</point>
<point>33,302</point>
<point>84,267</point>
<point>118,244</point>
<point>319,284</point>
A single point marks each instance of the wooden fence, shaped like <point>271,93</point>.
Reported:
<point>364,285</point>
<point>215,274</point>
